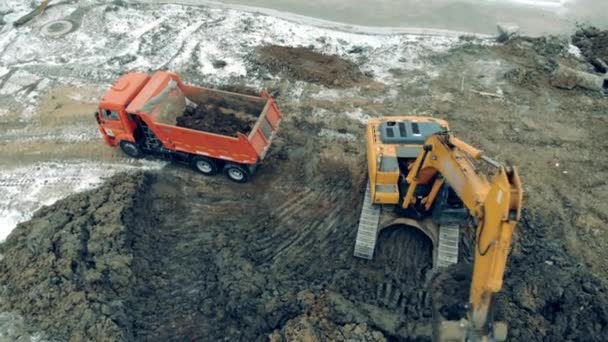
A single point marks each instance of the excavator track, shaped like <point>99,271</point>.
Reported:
<point>447,247</point>
<point>367,232</point>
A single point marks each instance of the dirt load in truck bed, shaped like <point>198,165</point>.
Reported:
<point>222,113</point>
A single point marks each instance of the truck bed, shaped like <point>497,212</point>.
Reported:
<point>222,113</point>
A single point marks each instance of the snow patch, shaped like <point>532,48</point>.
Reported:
<point>358,115</point>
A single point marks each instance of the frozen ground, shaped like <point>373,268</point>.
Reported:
<point>48,86</point>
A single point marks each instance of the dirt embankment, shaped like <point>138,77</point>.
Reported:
<point>69,269</point>
<point>308,65</point>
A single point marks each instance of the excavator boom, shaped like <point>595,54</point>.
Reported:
<point>495,205</point>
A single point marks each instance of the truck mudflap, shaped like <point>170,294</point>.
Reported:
<point>265,129</point>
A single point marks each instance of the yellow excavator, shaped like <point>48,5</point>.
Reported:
<point>423,177</point>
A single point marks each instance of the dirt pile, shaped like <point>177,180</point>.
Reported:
<point>316,324</point>
<point>305,64</point>
<point>215,119</point>
<point>593,43</point>
<point>68,270</point>
<point>548,295</point>
<point>223,113</point>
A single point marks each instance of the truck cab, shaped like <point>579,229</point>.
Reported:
<point>112,117</point>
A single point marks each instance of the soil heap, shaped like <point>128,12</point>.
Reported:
<point>305,64</point>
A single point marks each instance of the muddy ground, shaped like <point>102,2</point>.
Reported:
<point>175,256</point>
<point>227,115</point>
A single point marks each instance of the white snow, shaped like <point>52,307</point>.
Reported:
<point>575,51</point>
<point>358,115</point>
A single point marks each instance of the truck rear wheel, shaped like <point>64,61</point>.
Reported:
<point>236,173</point>
<point>131,149</point>
<point>206,166</point>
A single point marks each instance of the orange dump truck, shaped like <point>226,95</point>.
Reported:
<point>209,129</point>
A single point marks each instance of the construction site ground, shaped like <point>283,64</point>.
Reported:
<point>159,252</point>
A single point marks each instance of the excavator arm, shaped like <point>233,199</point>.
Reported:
<point>495,204</point>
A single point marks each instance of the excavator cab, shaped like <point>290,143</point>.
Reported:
<point>393,144</point>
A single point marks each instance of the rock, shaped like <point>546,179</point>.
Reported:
<point>568,78</point>
<point>599,64</point>
<point>506,31</point>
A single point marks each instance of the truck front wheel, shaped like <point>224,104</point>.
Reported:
<point>236,173</point>
<point>204,165</point>
<point>131,149</point>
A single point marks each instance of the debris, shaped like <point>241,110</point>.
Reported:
<point>219,64</point>
<point>568,78</point>
<point>592,42</point>
<point>36,12</point>
<point>599,64</point>
<point>483,93</point>
<point>506,31</point>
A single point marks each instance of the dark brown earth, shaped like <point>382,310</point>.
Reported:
<point>215,119</point>
<point>305,64</point>
<point>224,113</point>
<point>593,43</point>
<point>175,256</point>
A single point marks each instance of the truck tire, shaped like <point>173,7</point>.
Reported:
<point>204,165</point>
<point>131,149</point>
<point>236,173</point>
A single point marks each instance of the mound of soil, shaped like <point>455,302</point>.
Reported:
<point>549,295</point>
<point>316,324</point>
<point>68,269</point>
<point>307,65</point>
<point>593,43</point>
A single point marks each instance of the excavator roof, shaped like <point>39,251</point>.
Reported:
<point>403,136</point>
<point>407,132</point>
<point>124,90</point>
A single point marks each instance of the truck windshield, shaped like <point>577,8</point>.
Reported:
<point>109,114</point>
